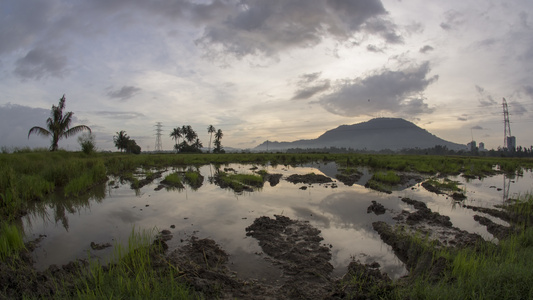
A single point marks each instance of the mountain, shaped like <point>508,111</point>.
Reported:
<point>376,134</point>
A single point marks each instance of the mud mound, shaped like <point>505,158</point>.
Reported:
<point>295,246</point>
<point>308,178</point>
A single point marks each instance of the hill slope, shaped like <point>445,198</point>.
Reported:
<point>376,134</point>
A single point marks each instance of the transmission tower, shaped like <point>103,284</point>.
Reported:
<point>158,130</point>
<point>509,141</point>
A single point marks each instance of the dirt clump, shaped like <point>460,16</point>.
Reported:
<point>295,246</point>
<point>308,178</point>
<point>376,208</point>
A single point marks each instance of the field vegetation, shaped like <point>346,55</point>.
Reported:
<point>488,271</point>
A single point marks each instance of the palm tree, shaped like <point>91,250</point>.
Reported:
<point>218,144</point>
<point>210,130</point>
<point>176,134</point>
<point>121,140</point>
<point>58,125</point>
<point>198,145</point>
<point>189,134</point>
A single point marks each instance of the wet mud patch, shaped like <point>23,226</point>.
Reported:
<point>308,178</point>
<point>296,247</point>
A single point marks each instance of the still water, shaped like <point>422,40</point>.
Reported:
<point>109,213</point>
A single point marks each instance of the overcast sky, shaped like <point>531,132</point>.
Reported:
<point>272,69</point>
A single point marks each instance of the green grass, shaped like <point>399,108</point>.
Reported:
<point>11,240</point>
<point>389,177</point>
<point>132,274</point>
<point>238,182</point>
<point>444,184</point>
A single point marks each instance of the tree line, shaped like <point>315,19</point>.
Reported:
<point>58,125</point>
<point>191,143</point>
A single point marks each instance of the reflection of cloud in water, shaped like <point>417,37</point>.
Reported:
<point>349,209</point>
<point>309,214</point>
<point>126,215</point>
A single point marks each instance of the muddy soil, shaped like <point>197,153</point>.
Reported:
<point>308,178</point>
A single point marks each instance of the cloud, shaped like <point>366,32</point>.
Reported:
<point>123,115</point>
<point>426,49</point>
<point>453,19</point>
<point>484,98</point>
<point>374,48</point>
<point>22,22</point>
<point>309,85</point>
<point>477,127</point>
<point>40,62</point>
<point>125,93</point>
<point>265,28</point>
<point>17,120</point>
<point>462,119</point>
<point>397,92</point>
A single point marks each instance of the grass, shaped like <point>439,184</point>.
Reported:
<point>444,184</point>
<point>238,182</point>
<point>502,270</point>
<point>11,240</point>
<point>135,273</point>
<point>389,177</point>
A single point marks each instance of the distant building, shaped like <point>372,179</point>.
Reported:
<point>472,146</point>
<point>481,146</point>
<point>511,143</point>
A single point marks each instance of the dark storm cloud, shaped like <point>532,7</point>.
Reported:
<point>267,27</point>
<point>397,92</point>
<point>40,62</point>
<point>309,85</point>
<point>484,98</point>
<point>124,93</point>
<point>426,49</point>
<point>22,22</point>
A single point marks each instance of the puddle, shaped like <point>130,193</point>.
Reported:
<point>109,213</point>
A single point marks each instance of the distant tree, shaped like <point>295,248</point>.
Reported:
<point>210,129</point>
<point>198,145</point>
<point>218,143</point>
<point>132,147</point>
<point>176,134</point>
<point>189,134</point>
<point>121,140</point>
<point>87,143</point>
<point>58,125</point>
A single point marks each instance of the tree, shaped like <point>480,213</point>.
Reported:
<point>58,125</point>
<point>132,147</point>
<point>176,134</point>
<point>210,130</point>
<point>218,144</point>
<point>87,143</point>
<point>189,134</point>
<point>121,140</point>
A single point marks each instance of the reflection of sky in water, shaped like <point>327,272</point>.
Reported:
<point>340,213</point>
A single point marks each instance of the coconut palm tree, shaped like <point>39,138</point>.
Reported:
<point>121,140</point>
<point>218,144</point>
<point>176,134</point>
<point>210,130</point>
<point>58,125</point>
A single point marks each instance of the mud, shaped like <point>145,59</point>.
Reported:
<point>308,178</point>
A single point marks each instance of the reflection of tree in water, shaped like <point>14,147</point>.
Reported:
<point>62,206</point>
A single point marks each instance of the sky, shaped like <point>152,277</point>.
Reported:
<point>278,70</point>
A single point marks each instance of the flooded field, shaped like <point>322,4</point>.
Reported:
<point>109,213</point>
